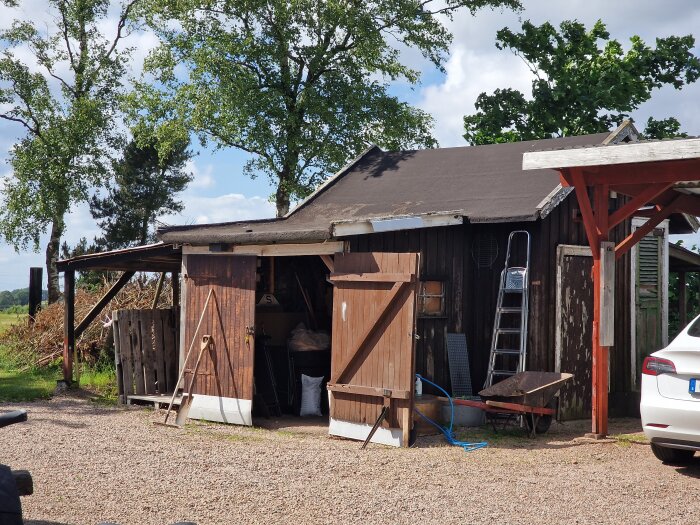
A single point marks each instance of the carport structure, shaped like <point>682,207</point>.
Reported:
<point>659,178</point>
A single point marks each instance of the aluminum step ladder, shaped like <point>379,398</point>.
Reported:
<point>509,338</point>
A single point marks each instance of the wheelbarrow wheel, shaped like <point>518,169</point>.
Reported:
<point>543,422</point>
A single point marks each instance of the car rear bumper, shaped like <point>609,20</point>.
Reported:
<point>682,418</point>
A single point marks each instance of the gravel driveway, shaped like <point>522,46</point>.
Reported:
<point>91,464</point>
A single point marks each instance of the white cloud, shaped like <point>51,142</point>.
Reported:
<point>203,177</point>
<point>223,208</point>
<point>468,75</point>
<point>475,65</point>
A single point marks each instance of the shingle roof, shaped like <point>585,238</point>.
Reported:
<point>480,183</point>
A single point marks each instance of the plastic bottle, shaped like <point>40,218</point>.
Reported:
<point>419,387</point>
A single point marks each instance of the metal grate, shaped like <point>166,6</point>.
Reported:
<point>485,251</point>
<point>459,365</point>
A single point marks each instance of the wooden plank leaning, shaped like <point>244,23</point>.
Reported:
<point>189,351</point>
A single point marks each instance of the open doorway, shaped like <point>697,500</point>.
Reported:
<point>293,320</point>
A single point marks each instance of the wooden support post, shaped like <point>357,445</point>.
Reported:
<point>35,281</point>
<point>599,427</point>
<point>104,300</point>
<point>682,301</point>
<point>159,289</point>
<point>68,324</point>
<point>175,280</point>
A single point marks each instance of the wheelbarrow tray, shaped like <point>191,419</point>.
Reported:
<point>535,389</point>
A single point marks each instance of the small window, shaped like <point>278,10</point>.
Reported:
<point>431,299</point>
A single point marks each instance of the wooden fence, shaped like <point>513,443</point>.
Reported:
<point>145,351</point>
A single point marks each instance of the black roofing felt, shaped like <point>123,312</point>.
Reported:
<point>481,183</point>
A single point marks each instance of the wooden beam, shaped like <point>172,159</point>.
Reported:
<point>584,202</point>
<point>369,391</point>
<point>640,153</point>
<point>355,353</point>
<point>629,209</point>
<point>607,293</point>
<point>159,289</point>
<point>376,277</point>
<point>329,262</point>
<point>68,324</point>
<point>647,173</point>
<point>270,250</point>
<point>35,281</point>
<point>99,306</point>
<point>175,283</point>
<point>653,221</point>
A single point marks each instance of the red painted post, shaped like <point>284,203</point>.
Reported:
<point>600,353</point>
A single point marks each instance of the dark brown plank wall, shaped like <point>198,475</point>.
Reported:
<point>448,253</point>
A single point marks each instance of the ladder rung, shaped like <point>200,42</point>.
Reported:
<point>506,351</point>
<point>513,290</point>
<point>510,309</point>
<point>504,372</point>
<point>508,330</point>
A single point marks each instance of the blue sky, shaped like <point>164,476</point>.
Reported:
<point>220,192</point>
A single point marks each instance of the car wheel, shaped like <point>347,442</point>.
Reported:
<point>672,455</point>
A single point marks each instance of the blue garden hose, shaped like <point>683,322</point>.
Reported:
<point>447,431</point>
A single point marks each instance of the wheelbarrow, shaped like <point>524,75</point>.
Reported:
<point>527,394</point>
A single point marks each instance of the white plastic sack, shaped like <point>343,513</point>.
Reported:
<point>310,395</point>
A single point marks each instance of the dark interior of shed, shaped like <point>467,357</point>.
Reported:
<point>293,318</point>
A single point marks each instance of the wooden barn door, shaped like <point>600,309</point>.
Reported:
<point>373,361</point>
<point>223,389</point>
<point>574,329</point>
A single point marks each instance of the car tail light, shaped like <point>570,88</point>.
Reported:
<point>653,366</point>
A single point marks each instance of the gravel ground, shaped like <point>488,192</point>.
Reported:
<point>92,464</point>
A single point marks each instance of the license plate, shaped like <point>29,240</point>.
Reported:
<point>694,386</point>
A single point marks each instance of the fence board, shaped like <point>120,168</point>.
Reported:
<point>145,351</point>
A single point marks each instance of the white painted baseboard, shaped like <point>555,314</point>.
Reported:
<point>360,431</point>
<point>221,409</point>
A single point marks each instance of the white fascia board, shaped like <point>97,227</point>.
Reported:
<point>613,154</point>
<point>387,224</point>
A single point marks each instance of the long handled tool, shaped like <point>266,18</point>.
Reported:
<point>187,357</point>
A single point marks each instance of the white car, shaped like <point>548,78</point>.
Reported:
<point>670,403</point>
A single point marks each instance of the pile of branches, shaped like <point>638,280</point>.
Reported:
<point>41,343</point>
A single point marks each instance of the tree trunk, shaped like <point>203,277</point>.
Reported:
<point>57,227</point>
<point>282,197</point>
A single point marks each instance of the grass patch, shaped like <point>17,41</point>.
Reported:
<point>8,319</point>
<point>102,382</point>
<point>28,385</point>
<point>510,437</point>
<point>626,440</point>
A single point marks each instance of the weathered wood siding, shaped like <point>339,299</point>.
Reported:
<point>229,371</point>
<point>145,351</point>
<point>449,253</point>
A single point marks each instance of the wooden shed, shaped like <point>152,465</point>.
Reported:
<point>396,251</point>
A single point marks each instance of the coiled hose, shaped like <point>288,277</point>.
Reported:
<point>447,431</point>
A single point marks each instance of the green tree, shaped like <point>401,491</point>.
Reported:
<point>145,187</point>
<point>584,82</point>
<point>63,94</point>
<point>301,85</point>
